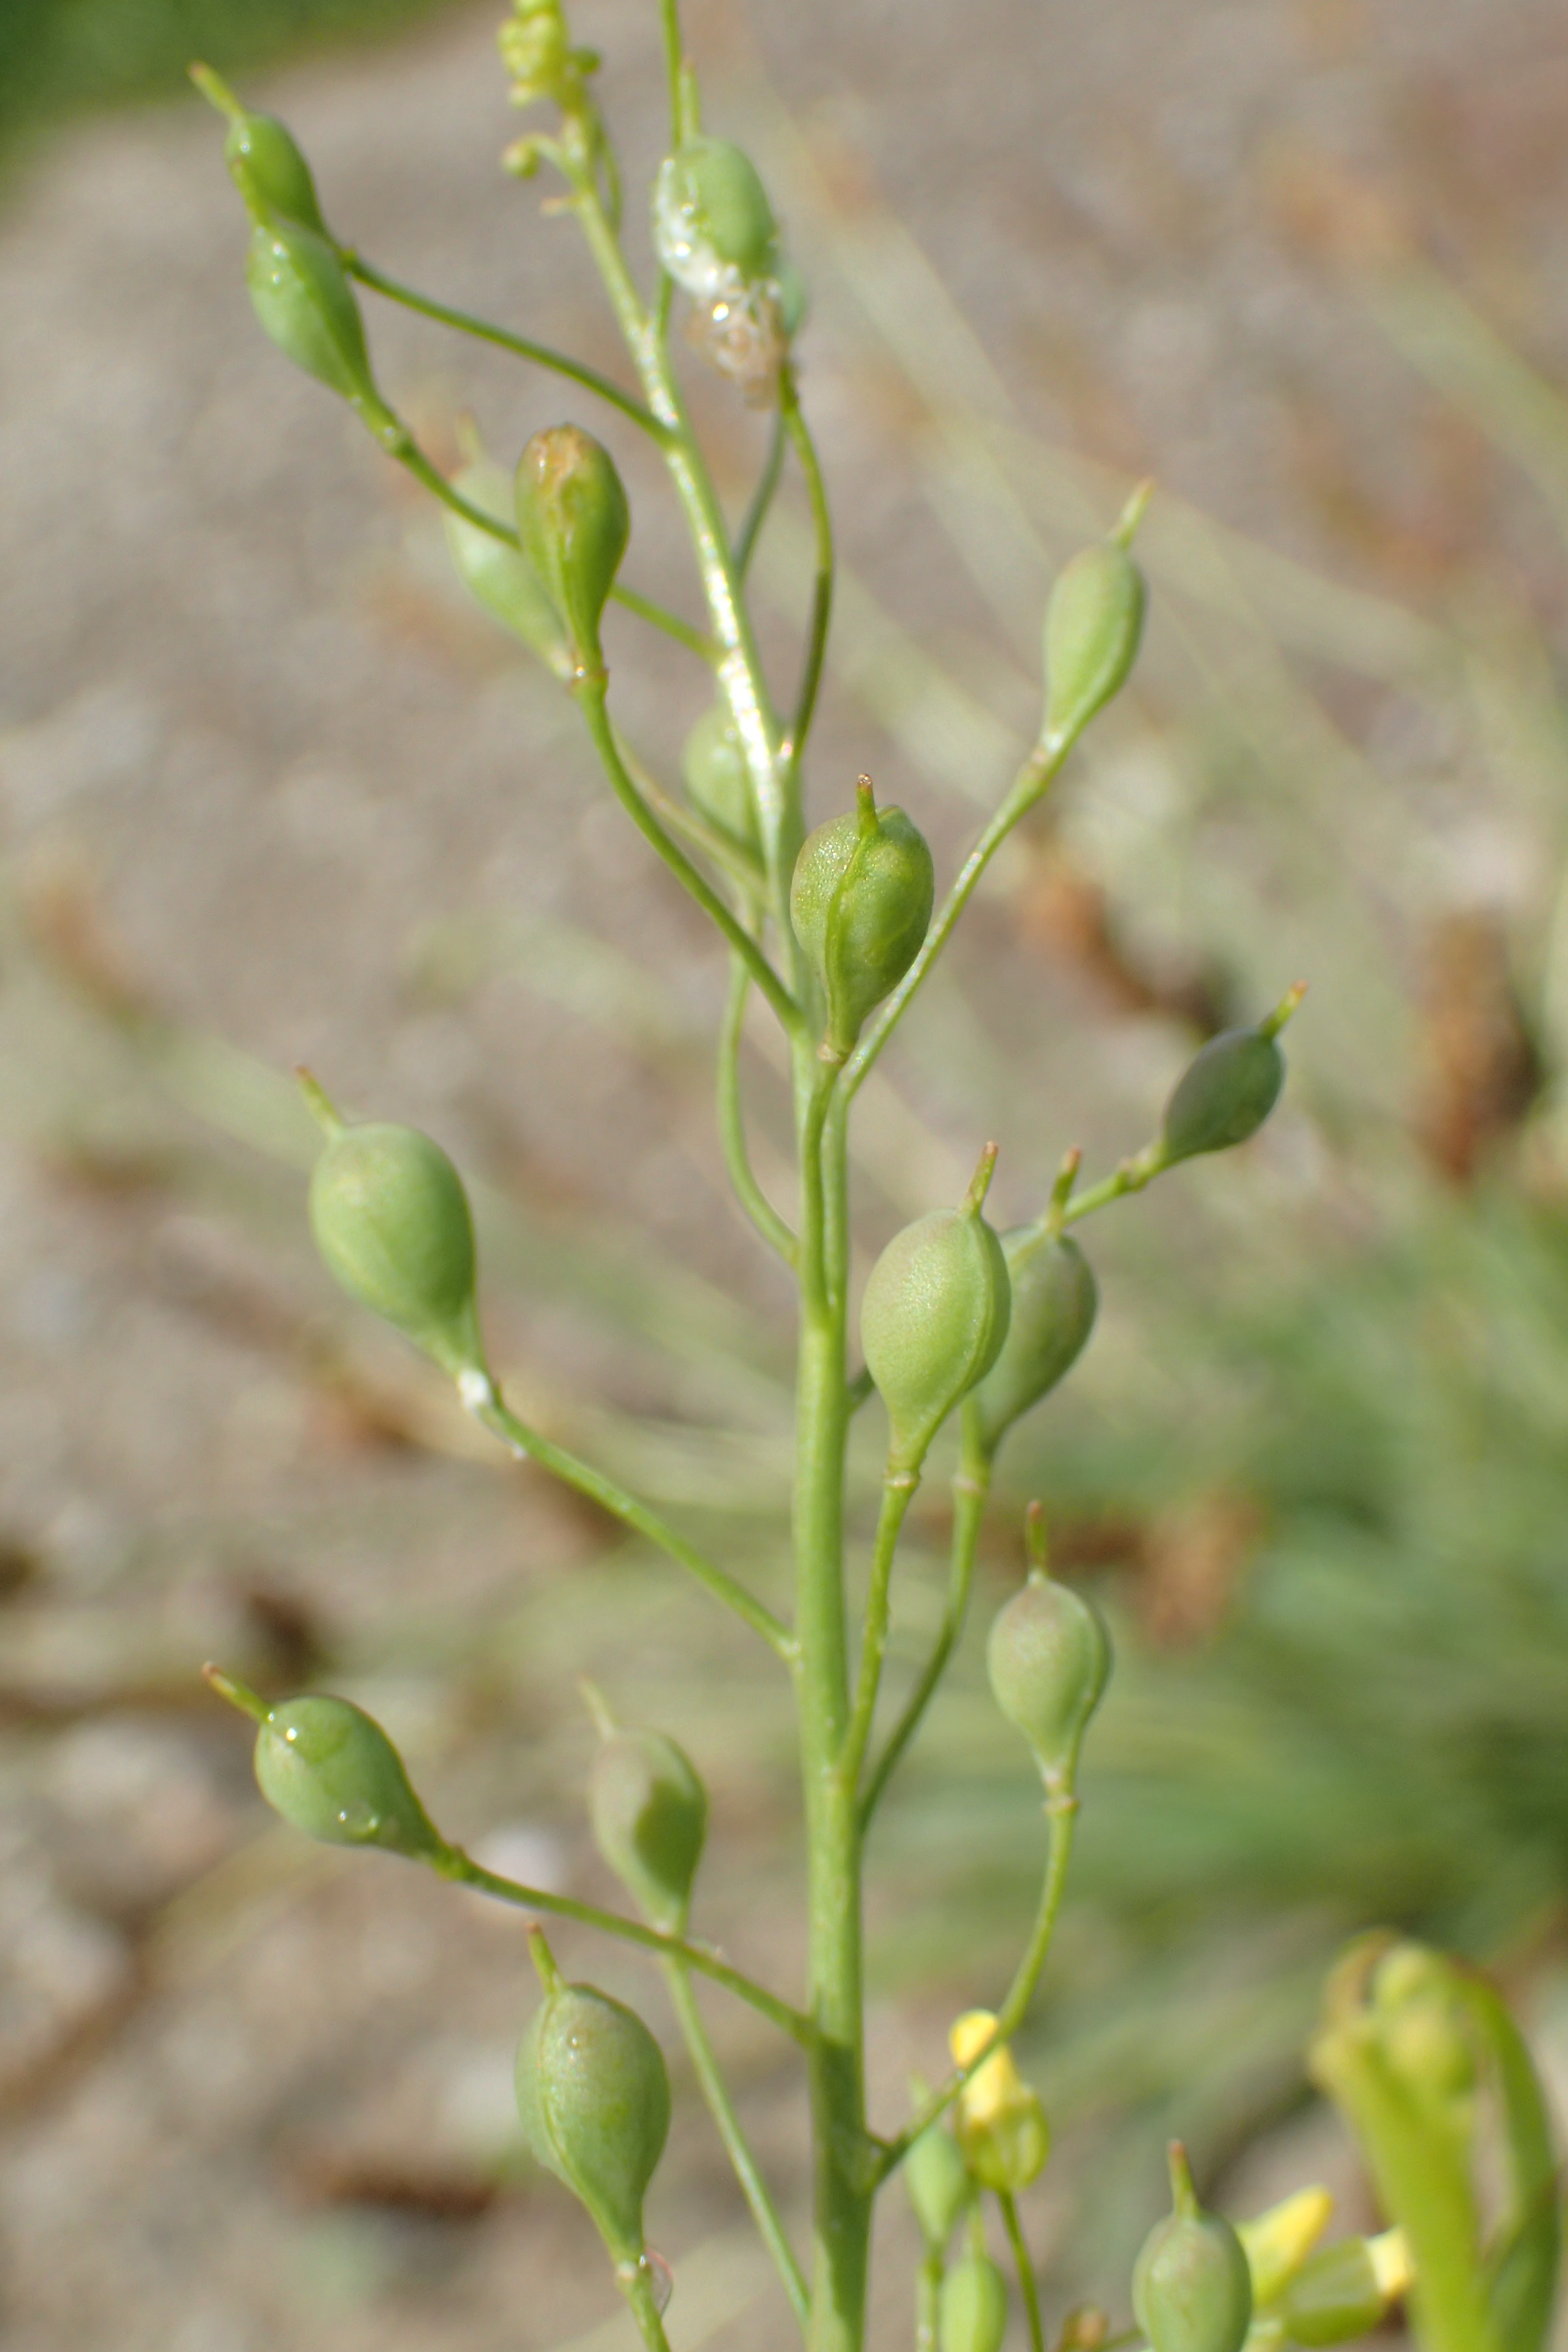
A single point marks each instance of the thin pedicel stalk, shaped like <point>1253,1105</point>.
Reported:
<point>761,497</point>
<point>454,1864</point>
<point>528,1445</point>
<point>732,1120</point>
<point>822,587</point>
<point>897,1493</point>
<point>754,2189</point>
<point>1027,2287</point>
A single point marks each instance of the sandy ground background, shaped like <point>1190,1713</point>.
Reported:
<point>265,781</point>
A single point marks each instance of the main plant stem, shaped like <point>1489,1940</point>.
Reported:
<point>842,2188</point>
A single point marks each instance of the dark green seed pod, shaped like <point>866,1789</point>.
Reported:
<point>264,161</point>
<point>938,2182</point>
<point>933,1319</point>
<point>649,1812</point>
<point>1048,1658</point>
<point>1055,1300</point>
<point>330,1770</point>
<point>972,2316</point>
<point>498,576</point>
<point>574,522</point>
<point>713,764</point>
<point>1192,2290</point>
<point>1094,622</point>
<point>713,227</point>
<point>860,901</point>
<point>392,1221</point>
<point>1346,2291</point>
<point>301,293</point>
<point>594,2097</point>
<point>1224,1095</point>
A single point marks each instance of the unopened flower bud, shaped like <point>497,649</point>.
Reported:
<point>1228,1088</point>
<point>1094,622</point>
<point>1192,2291</point>
<point>331,1771</point>
<point>717,781</point>
<point>713,227</point>
<point>594,2096</point>
<point>264,161</point>
<point>392,1222</point>
<point>999,2121</point>
<point>972,2314</point>
<point>500,576</point>
<point>1048,1658</point>
<point>939,2184</point>
<point>1422,2027</point>
<point>649,1812</point>
<point>574,522</point>
<point>860,901</point>
<point>537,53</point>
<point>1346,2291</point>
<point>1055,1300</point>
<point>933,1319</point>
<point>301,293</point>
<point>1279,2241</point>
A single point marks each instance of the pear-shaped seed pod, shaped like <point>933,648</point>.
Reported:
<point>500,576</point>
<point>392,1221</point>
<point>933,1319</point>
<point>574,522</point>
<point>649,1812</point>
<point>301,296</point>
<point>938,2182</point>
<point>718,781</point>
<point>713,227</point>
<point>329,1769</point>
<point>1224,1095</point>
<point>264,161</point>
<point>1048,1658</point>
<point>972,2314</point>
<point>1192,2291</point>
<point>1055,1300</point>
<point>860,901</point>
<point>1094,622</point>
<point>594,2096</point>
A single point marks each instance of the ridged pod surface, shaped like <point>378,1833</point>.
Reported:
<point>1054,1300</point>
<point>300,294</point>
<point>593,2094</point>
<point>392,1224</point>
<point>574,522</point>
<point>1192,2290</point>
<point>1048,1658</point>
<point>933,1322</point>
<point>860,902</point>
<point>330,1770</point>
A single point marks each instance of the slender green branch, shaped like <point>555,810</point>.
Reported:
<point>1061,1809</point>
<point>589,693</point>
<point>928,2301</point>
<point>400,444</point>
<point>743,2163</point>
<point>1131,1176</point>
<point>969,1487</point>
<point>674,60</point>
<point>1027,2287</point>
<point>454,1864</point>
<point>482,329</point>
<point>732,1120</point>
<point>696,641</point>
<point>896,1494</point>
<point>637,2288</point>
<point>821,586</point>
<point>1030,782</point>
<point>528,1445</point>
<point>761,497</point>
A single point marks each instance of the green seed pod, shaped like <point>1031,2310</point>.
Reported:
<point>1224,1095</point>
<point>972,2316</point>
<point>1192,2291</point>
<point>1347,2290</point>
<point>713,227</point>
<point>391,1219</point>
<point>574,522</point>
<point>330,1770</point>
<point>1094,621</point>
<point>1055,1300</point>
<point>860,902</point>
<point>938,2182</point>
<point>500,577</point>
<point>264,162</point>
<point>1048,1658</point>
<point>933,1319</point>
<point>649,1812</point>
<point>717,781</point>
<point>594,2097</point>
<point>301,293</point>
